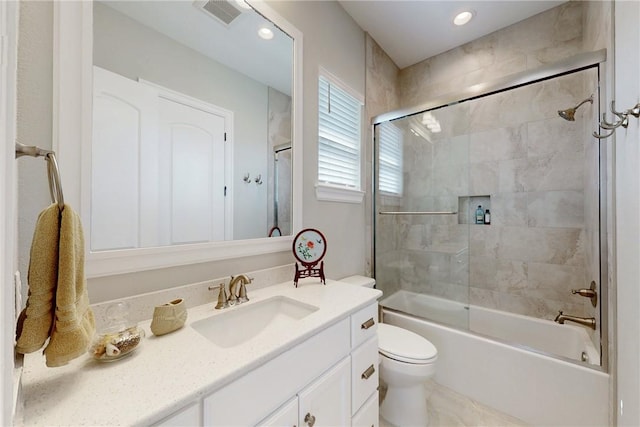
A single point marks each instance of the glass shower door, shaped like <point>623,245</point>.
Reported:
<point>423,209</point>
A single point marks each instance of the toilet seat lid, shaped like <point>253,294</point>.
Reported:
<point>405,346</point>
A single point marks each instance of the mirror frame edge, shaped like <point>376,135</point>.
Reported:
<point>72,118</point>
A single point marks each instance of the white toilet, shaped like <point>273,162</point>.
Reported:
<point>407,360</point>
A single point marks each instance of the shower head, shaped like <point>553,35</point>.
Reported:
<point>569,113</point>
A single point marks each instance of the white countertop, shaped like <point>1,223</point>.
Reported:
<point>167,372</point>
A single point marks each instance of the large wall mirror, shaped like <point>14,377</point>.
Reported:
<point>186,146</point>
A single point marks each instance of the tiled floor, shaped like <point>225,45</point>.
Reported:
<point>450,409</point>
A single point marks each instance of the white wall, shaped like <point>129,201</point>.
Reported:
<point>8,177</point>
<point>333,41</point>
<point>627,182</point>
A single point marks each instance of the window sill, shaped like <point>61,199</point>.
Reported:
<point>332,193</point>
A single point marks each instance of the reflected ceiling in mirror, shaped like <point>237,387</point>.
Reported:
<point>191,109</point>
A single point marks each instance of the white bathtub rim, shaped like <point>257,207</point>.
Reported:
<point>505,344</point>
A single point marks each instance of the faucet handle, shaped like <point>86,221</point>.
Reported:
<point>242,294</point>
<point>223,301</point>
<point>590,293</point>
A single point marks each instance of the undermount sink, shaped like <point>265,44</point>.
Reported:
<point>243,323</point>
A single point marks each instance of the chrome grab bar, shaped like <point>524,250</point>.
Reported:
<point>418,213</point>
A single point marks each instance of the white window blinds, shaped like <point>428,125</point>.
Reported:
<point>339,124</point>
<point>389,159</point>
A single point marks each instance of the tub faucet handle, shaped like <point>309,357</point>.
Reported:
<point>588,293</point>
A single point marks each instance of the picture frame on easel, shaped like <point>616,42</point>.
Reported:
<point>309,247</point>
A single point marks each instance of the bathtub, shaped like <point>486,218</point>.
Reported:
<point>502,371</point>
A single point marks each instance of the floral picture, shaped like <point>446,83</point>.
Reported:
<point>309,246</point>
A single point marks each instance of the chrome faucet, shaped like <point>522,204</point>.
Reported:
<point>585,321</point>
<point>242,293</point>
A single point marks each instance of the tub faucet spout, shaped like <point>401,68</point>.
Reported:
<point>589,322</point>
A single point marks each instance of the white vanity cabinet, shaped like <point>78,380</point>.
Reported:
<point>189,416</point>
<point>326,380</point>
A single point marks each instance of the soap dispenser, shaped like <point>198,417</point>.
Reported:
<point>479,215</point>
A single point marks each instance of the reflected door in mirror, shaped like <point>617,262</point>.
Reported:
<point>159,162</point>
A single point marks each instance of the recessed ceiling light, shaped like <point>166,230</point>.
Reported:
<point>463,17</point>
<point>265,33</point>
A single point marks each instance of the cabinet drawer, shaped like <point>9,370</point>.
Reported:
<point>364,372</point>
<point>368,415</point>
<point>364,324</point>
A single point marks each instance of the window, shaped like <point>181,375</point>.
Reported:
<point>389,159</point>
<point>339,135</point>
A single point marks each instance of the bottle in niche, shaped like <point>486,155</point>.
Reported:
<point>487,217</point>
<point>479,215</point>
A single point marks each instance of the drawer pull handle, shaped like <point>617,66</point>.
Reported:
<point>309,419</point>
<point>369,323</point>
<point>370,371</point>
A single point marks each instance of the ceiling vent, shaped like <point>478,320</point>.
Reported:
<point>223,10</point>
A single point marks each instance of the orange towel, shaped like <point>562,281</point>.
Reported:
<point>71,324</point>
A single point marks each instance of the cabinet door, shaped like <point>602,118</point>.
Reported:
<point>327,401</point>
<point>286,416</point>
<point>368,415</point>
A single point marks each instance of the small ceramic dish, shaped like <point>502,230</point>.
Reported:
<point>169,317</point>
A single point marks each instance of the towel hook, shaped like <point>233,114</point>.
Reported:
<point>53,172</point>
<point>622,121</point>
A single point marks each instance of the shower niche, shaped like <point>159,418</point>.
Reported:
<point>468,206</point>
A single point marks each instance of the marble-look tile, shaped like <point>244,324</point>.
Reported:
<point>546,245</point>
<point>559,171</point>
<point>498,144</point>
<point>483,241</point>
<point>556,209</point>
<point>512,276</point>
<point>483,179</point>
<point>509,209</point>
<point>512,175</point>
<point>560,279</point>
<point>551,136</point>
<point>447,408</point>
<point>483,272</point>
<point>528,304</point>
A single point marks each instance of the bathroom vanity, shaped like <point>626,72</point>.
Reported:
<point>305,356</point>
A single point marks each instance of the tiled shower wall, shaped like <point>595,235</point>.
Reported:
<point>534,252</point>
<point>514,148</point>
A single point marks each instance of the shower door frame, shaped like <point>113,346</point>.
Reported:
<point>570,65</point>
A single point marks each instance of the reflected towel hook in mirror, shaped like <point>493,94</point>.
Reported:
<point>622,120</point>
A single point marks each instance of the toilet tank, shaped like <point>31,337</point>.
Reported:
<point>367,282</point>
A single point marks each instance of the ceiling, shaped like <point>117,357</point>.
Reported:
<point>411,31</point>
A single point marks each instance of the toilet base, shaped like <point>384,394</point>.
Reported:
<point>405,406</point>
